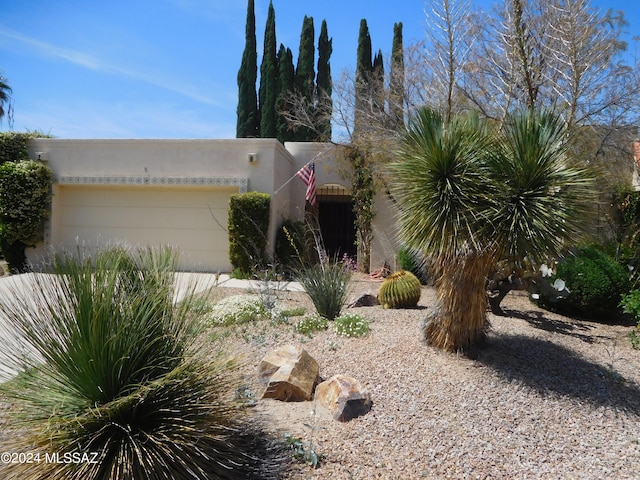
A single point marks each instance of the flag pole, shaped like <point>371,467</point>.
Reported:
<point>294,175</point>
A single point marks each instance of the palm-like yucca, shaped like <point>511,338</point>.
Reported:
<point>469,197</point>
<point>541,196</point>
<point>108,364</point>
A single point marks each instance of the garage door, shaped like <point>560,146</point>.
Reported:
<point>192,219</point>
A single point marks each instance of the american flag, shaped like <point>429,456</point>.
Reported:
<point>308,175</point>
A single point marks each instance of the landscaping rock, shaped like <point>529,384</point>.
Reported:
<point>344,397</point>
<point>364,300</point>
<point>290,373</point>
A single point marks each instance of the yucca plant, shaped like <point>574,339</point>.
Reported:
<point>400,289</point>
<point>110,368</point>
<point>469,197</point>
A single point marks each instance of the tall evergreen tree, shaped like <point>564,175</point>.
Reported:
<point>305,73</point>
<point>323,84</point>
<point>285,87</point>
<point>377,85</point>
<point>248,120</point>
<point>396,80</point>
<point>364,67</point>
<point>268,79</point>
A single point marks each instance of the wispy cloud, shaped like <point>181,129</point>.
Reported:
<point>120,120</point>
<point>94,63</point>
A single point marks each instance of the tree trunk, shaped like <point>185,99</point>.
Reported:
<point>459,318</point>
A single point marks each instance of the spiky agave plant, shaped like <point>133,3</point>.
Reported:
<point>400,289</point>
<point>109,374</point>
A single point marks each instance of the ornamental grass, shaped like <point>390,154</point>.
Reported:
<point>109,371</point>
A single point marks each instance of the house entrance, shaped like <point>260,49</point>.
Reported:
<point>337,220</point>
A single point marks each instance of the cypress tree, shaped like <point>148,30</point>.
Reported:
<point>269,79</point>
<point>323,83</point>
<point>363,76</point>
<point>377,84</point>
<point>305,74</point>
<point>396,81</point>
<point>248,121</point>
<point>286,77</point>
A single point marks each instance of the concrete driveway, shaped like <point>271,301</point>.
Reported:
<point>26,285</point>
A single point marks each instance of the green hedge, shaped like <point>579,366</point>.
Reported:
<point>25,196</point>
<point>248,228</point>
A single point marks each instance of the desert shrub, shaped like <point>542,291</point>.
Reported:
<point>248,225</point>
<point>401,289</point>
<point>327,284</point>
<point>293,312</point>
<point>290,244</point>
<point>594,281</point>
<point>412,262</point>
<point>352,325</point>
<point>631,305</point>
<point>236,310</point>
<point>109,364</point>
<point>311,324</point>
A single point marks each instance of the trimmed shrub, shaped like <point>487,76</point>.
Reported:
<point>595,283</point>
<point>248,228</point>
<point>25,195</point>
<point>401,289</point>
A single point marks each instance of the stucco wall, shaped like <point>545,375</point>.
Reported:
<point>108,160</point>
<point>155,161</point>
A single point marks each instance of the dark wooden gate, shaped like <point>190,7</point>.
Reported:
<point>337,221</point>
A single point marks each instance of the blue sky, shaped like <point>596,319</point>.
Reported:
<point>167,68</point>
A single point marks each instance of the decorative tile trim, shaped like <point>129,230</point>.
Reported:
<point>241,183</point>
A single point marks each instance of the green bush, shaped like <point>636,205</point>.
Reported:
<point>13,145</point>
<point>25,195</point>
<point>110,365</point>
<point>631,305</point>
<point>352,325</point>
<point>595,283</point>
<point>248,225</point>
<point>327,285</point>
<point>236,310</point>
<point>401,289</point>
<point>410,261</point>
<point>308,325</point>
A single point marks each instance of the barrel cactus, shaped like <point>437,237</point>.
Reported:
<point>401,289</point>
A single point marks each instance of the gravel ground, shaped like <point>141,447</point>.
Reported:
<point>548,397</point>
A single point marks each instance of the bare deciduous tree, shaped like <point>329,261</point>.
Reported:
<point>448,39</point>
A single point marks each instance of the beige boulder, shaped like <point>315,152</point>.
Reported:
<point>344,397</point>
<point>290,374</point>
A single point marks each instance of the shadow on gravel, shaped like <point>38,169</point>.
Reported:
<point>537,319</point>
<point>552,369</point>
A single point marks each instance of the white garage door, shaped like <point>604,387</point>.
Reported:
<point>193,219</point>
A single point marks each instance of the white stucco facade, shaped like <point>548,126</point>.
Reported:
<point>175,192</point>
